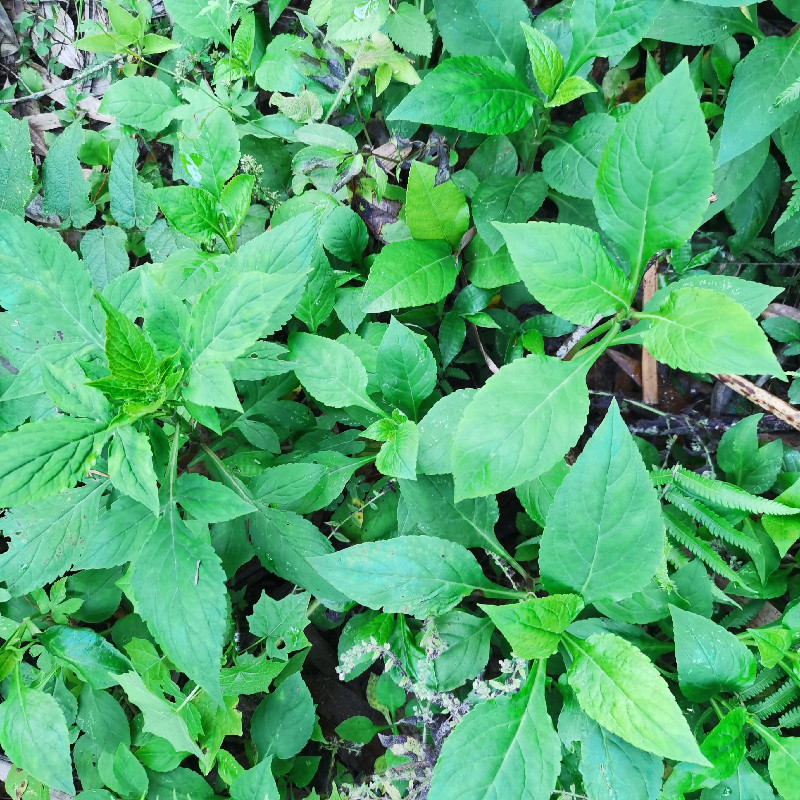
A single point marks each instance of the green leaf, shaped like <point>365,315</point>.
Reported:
<point>282,724</point>
<point>398,454</point>
<point>140,102</point>
<point>605,505</point>
<point>406,368</point>
<point>188,615</point>
<point>467,641</point>
<point>410,30</point>
<point>344,233</point>
<point>212,156</point>
<point>745,784</point>
<point>421,576</point>
<point>105,254</point>
<point>409,273</point>
<point>699,330</point>
<point>608,28</point>
<point>91,657</point>
<point>758,81</point>
<point>533,627</point>
<point>567,269</point>
<point>351,20</point>
<point>281,623</point>
<point>473,94</point>
<point>286,483</point>
<point>519,424</point>
<point>234,201</point>
<point>208,500</point>
<point>618,687</point>
<point>132,203</point>
<point>546,60</point>
<point>256,783</point>
<point>130,467</point>
<point>502,748</point>
<point>16,165</point>
<point>710,659</point>
<point>41,458</point>
<point>434,212</point>
<point>749,466</point>
<point>437,429</point>
<point>191,211</point>
<point>209,383</point>
<point>33,734</point>
<point>64,189</point>
<point>654,178</point>
<point>571,89</point>
<point>506,200</point>
<point>784,764</point>
<point>329,371</point>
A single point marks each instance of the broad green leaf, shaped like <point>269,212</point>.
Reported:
<point>16,165</point>
<point>397,457</point>
<point>140,102</point>
<point>748,213</point>
<point>473,94</point>
<point>251,675</point>
<point>286,483</point>
<point>546,61</point>
<point>351,20</point>
<point>654,178</point>
<point>196,17</point>
<point>433,212</point>
<point>234,201</point>
<point>533,627</point>
<point>41,458</point>
<point>409,273</point>
<point>571,89</point>
<point>209,383</point>
<point>608,28</point>
<point>344,233</point>
<point>105,254</point>
<point>208,500</point>
<point>92,658</point>
<point>418,575</point>
<point>410,30</point>
<point>437,429</point>
<point>280,623</point>
<point>746,784</point>
<point>329,371</point>
<point>605,505</point>
<point>483,28</point>
<point>406,368</point>
<point>506,200</point>
<point>282,724</point>
<point>132,204</point>
<point>505,747</point>
<point>744,463</point>
<point>618,687</point>
<point>710,659</point>
<point>188,615</point>
<point>699,330</point>
<point>537,495</point>
<point>567,269</point>
<point>519,424</point>
<point>319,295</point>
<point>431,510</point>
<point>130,467</point>
<point>571,165</point>
<point>33,734</point>
<point>65,191</point>
<point>190,210</point>
<point>212,156</point>
<point>467,642</point>
<point>65,384</point>
<point>256,782</point>
<point>784,764</point>
<point>759,79</point>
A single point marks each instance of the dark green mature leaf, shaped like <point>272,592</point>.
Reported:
<point>519,424</point>
<point>141,102</point>
<point>33,734</point>
<point>65,191</point>
<point>41,458</point>
<point>605,506</point>
<point>418,575</point>
<point>105,254</point>
<point>474,94</point>
<point>93,659</point>
<point>503,748</point>
<point>212,156</point>
<point>437,213</point>
<point>468,645</point>
<point>710,659</point>
<point>208,500</point>
<point>283,723</point>
<point>749,212</point>
<point>410,30</point>
<point>132,203</point>
<point>257,782</point>
<point>784,764</point>
<point>506,200</point>
<point>654,178</point>
<point>618,686</point>
<point>130,467</point>
<point>749,466</point>
<point>409,273</point>
<point>281,623</point>
<point>696,23</point>
<point>567,269</point>
<point>16,165</point>
<point>187,616</point>
<point>483,28</point>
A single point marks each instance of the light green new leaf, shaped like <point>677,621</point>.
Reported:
<point>188,615</point>
<point>132,203</point>
<point>699,330</point>
<point>406,368</point>
<point>784,764</point>
<point>409,273</point>
<point>33,734</point>
<point>505,200</point>
<point>546,61</point>
<point>131,358</point>
<point>533,627</point>
<point>410,30</point>
<point>330,372</point>
<point>283,723</point>
<point>437,429</point>
<point>209,500</point>
<point>473,94</point>
<point>212,156</point>
<point>202,20</point>
<point>483,28</point>
<point>397,457</point>
<point>710,658</point>
<point>130,467</point>
<point>65,191</point>
<point>16,165</point>
<point>519,424</point>
<point>418,575</point>
<point>105,254</point>
<point>505,748</point>
<point>618,687</point>
<point>190,210</point>
<point>758,81</point>
<point>433,212</point>
<point>654,178</point>
<point>608,28</point>
<point>567,269</point>
<point>140,102</point>
<point>42,458</point>
<point>571,89</point>
<point>606,505</point>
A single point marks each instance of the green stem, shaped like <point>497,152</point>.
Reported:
<point>500,592</point>
<point>594,351</point>
<point>588,337</point>
<point>538,137</point>
<point>347,82</point>
<point>172,467</point>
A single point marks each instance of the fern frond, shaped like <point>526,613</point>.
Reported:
<point>792,207</point>
<point>788,95</point>
<point>779,700</point>
<point>739,617</point>
<point>759,751</point>
<point>791,719</point>
<point>764,680</point>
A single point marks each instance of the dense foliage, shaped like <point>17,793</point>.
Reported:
<point>316,484</point>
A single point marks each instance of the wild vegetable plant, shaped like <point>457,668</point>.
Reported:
<point>342,287</point>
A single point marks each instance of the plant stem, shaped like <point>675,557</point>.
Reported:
<point>347,82</point>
